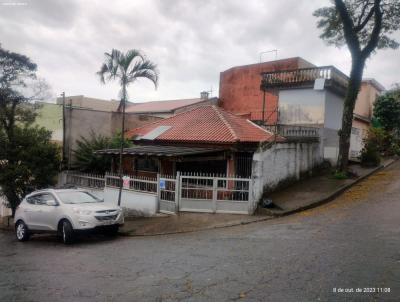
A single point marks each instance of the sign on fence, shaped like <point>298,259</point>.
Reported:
<point>125,182</point>
<point>162,184</point>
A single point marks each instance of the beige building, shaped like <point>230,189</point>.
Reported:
<point>363,111</point>
<point>84,116</point>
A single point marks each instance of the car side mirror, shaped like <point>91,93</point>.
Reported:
<point>52,203</point>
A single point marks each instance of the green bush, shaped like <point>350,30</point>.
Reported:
<point>374,144</point>
<point>340,175</point>
<point>85,160</point>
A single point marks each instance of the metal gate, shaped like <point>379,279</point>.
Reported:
<point>214,194</point>
<point>168,194</point>
<point>204,193</point>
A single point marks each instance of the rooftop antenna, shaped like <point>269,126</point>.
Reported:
<point>269,51</point>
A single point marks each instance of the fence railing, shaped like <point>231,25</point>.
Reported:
<point>133,183</point>
<point>303,75</point>
<point>195,192</point>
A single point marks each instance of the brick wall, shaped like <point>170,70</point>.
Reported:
<point>240,93</point>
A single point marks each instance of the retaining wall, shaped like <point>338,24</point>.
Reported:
<point>283,162</point>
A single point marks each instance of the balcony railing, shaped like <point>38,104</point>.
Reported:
<point>294,131</point>
<point>334,78</point>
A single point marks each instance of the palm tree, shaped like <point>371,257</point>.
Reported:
<point>126,68</point>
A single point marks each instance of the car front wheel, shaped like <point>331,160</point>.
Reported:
<point>21,231</point>
<point>67,232</point>
<point>112,230</point>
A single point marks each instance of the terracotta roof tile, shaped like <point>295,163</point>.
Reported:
<point>207,124</point>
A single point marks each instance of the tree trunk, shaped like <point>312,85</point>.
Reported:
<point>13,210</point>
<point>356,74</point>
<point>122,144</point>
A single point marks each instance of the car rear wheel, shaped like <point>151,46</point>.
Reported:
<point>21,231</point>
<point>67,232</point>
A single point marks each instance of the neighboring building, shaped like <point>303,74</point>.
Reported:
<point>206,139</point>
<point>83,102</point>
<point>50,116</point>
<point>363,111</point>
<point>86,116</point>
<point>164,109</point>
<point>296,92</point>
<point>240,93</point>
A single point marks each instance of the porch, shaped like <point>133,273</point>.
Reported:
<point>150,160</point>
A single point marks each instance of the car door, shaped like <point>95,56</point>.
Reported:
<point>46,217</point>
<point>29,211</point>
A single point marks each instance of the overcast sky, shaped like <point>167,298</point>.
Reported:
<point>192,41</point>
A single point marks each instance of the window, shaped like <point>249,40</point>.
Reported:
<point>40,199</point>
<point>146,164</point>
<point>77,197</point>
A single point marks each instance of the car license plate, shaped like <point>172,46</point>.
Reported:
<point>108,222</point>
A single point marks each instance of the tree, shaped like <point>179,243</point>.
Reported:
<point>85,158</point>
<point>387,111</point>
<point>24,152</point>
<point>15,71</point>
<point>32,163</point>
<point>364,26</point>
<point>126,68</point>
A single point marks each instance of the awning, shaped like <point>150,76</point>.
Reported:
<point>157,150</point>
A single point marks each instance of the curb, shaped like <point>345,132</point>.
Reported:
<point>227,225</point>
<point>334,194</point>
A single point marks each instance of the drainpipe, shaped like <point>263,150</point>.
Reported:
<point>263,110</point>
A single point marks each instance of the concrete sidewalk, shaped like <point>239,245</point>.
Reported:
<point>314,191</point>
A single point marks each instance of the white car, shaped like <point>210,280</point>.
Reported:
<point>65,212</point>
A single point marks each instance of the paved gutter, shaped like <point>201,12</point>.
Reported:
<point>216,226</point>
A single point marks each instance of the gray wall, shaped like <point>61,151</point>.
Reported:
<point>333,110</point>
<point>301,106</point>
<point>333,122</point>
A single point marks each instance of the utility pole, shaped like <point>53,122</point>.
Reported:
<point>69,134</point>
<point>63,134</point>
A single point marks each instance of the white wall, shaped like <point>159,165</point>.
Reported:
<point>281,162</point>
<point>4,211</point>
<point>134,203</point>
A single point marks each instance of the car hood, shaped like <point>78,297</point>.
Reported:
<point>98,206</point>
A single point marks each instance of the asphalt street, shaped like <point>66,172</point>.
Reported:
<point>347,250</point>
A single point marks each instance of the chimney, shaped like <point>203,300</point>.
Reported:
<point>204,95</point>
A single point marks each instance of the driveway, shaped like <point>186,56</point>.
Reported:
<point>350,243</point>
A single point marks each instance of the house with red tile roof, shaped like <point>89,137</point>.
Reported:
<point>206,139</point>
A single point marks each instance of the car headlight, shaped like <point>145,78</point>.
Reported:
<point>81,212</point>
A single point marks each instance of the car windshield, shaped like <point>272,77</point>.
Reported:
<point>76,197</point>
